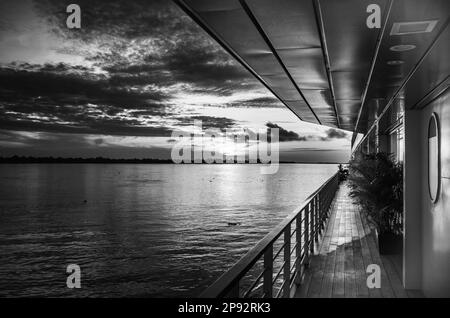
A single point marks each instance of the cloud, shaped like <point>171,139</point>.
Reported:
<point>260,102</point>
<point>65,87</point>
<point>332,133</point>
<point>58,99</point>
<point>149,42</point>
<point>208,122</point>
<point>285,135</point>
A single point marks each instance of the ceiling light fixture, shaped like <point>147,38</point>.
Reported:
<point>402,28</point>
<point>402,47</point>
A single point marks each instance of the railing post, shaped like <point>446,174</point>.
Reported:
<point>268,272</point>
<point>322,209</point>
<point>298,249</point>
<point>287,262</point>
<point>331,194</point>
<point>312,226</point>
<point>306,234</point>
<point>325,207</point>
<point>317,214</point>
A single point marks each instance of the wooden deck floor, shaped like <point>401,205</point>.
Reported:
<point>346,248</point>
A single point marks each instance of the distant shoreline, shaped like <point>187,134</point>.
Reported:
<point>101,160</point>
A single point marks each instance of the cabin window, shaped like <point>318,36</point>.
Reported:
<point>433,158</point>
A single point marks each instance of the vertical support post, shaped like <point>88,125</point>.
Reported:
<point>298,249</point>
<point>306,234</point>
<point>268,272</point>
<point>287,262</point>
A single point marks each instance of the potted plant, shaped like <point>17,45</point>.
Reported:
<point>376,184</point>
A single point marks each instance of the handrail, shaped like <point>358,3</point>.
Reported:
<point>315,211</point>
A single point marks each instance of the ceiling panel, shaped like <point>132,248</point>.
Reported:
<point>351,47</point>
<point>350,43</point>
<point>306,67</point>
<point>302,109</point>
<point>432,77</point>
<point>349,85</point>
<point>291,27</point>
<point>348,112</point>
<point>232,24</point>
<point>288,23</point>
<point>393,67</point>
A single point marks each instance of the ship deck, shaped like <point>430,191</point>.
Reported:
<point>346,248</point>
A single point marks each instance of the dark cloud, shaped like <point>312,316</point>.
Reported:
<point>335,134</point>
<point>57,99</point>
<point>108,127</point>
<point>208,122</point>
<point>192,63</point>
<point>259,102</point>
<point>67,88</point>
<point>286,135</point>
<point>51,68</point>
<point>168,48</point>
<point>129,19</point>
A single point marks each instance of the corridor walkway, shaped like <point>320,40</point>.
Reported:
<point>347,247</point>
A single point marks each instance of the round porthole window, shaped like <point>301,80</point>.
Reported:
<point>433,158</point>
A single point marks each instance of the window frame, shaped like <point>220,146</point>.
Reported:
<point>434,117</point>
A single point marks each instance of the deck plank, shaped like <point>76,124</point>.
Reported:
<point>396,283</point>
<point>330,264</point>
<point>366,256</point>
<point>386,288</point>
<point>317,278</point>
<point>358,259</point>
<point>338,278</point>
<point>349,268</point>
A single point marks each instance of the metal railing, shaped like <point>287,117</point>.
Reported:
<point>261,272</point>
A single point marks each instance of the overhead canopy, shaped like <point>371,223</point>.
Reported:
<point>321,60</point>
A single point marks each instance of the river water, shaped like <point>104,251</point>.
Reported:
<point>138,229</point>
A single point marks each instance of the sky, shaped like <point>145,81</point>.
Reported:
<point>134,73</point>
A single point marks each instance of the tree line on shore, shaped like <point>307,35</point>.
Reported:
<point>30,159</point>
<point>50,159</point>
